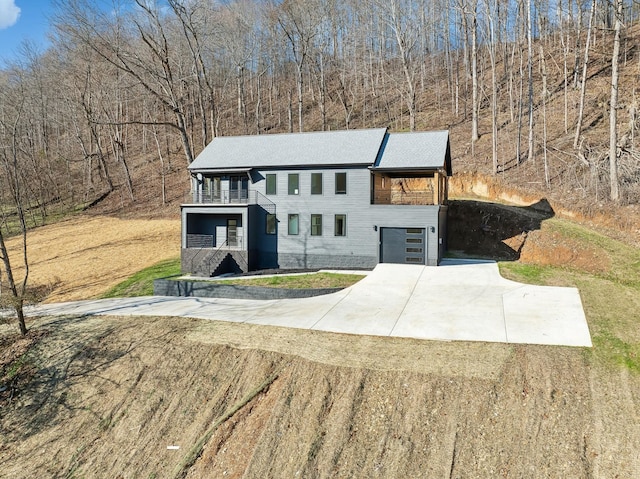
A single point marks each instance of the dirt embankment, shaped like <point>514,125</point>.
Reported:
<point>111,394</point>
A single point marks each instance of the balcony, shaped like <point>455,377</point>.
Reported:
<point>230,197</point>
<point>201,241</point>
<point>416,197</point>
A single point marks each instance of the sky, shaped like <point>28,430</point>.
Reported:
<point>23,20</point>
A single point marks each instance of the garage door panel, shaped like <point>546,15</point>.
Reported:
<point>402,245</point>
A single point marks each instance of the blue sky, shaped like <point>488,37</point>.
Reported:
<point>22,20</point>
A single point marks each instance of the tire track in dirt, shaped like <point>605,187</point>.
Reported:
<point>137,385</point>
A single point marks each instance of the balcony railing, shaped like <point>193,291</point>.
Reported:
<point>241,197</point>
<point>415,197</point>
<point>208,241</point>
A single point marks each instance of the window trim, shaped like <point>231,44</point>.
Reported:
<point>317,227</point>
<point>289,218</point>
<point>275,184</point>
<point>344,225</point>
<point>345,183</point>
<point>296,190</point>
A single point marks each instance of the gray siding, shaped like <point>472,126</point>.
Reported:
<point>360,248</point>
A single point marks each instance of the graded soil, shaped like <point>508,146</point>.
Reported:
<point>157,397</point>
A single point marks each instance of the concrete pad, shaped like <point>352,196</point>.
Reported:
<point>459,300</point>
<point>375,303</point>
<point>546,315</point>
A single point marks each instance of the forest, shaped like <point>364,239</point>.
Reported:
<point>539,93</point>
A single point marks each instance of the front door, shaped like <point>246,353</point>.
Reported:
<point>232,232</point>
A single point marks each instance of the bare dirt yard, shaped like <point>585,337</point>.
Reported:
<point>111,395</point>
<point>83,257</point>
<point>140,397</point>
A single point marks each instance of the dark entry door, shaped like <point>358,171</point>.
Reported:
<point>402,245</point>
<point>232,232</point>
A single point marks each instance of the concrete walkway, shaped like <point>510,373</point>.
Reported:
<point>460,300</point>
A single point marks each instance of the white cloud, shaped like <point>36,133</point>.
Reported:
<point>9,13</point>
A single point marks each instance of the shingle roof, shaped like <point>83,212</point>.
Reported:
<point>349,147</point>
<point>418,150</point>
<point>373,147</point>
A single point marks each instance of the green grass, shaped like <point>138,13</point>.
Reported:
<point>141,283</point>
<point>302,281</point>
<point>611,298</point>
<point>524,273</point>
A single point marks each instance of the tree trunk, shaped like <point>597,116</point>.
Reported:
<point>613,117</point>
<point>583,85</point>
<point>531,151</point>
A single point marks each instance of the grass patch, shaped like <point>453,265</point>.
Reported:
<point>624,258</point>
<point>524,273</point>
<point>302,281</point>
<point>611,298</point>
<point>141,283</point>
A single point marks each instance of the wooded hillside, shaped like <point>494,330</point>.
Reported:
<point>131,91</point>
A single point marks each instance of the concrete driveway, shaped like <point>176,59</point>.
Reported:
<point>460,300</point>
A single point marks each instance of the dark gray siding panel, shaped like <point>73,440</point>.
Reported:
<point>263,247</point>
<point>443,232</point>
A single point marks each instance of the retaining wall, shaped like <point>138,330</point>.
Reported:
<point>210,289</point>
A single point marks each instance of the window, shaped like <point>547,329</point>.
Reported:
<point>316,225</point>
<point>294,181</point>
<point>271,224</point>
<point>340,225</point>
<point>293,224</point>
<point>316,183</point>
<point>341,183</point>
<point>271,184</point>
<point>414,240</point>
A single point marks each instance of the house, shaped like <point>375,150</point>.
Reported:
<point>341,199</point>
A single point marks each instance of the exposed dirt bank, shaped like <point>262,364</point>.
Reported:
<point>111,394</point>
<point>622,222</point>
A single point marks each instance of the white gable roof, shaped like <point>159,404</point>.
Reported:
<point>349,147</point>
<point>374,148</point>
<point>418,150</point>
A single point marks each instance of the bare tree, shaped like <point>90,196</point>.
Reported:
<point>401,18</point>
<point>613,117</point>
<point>583,84</point>
<point>140,49</point>
<point>10,130</point>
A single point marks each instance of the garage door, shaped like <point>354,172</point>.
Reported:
<point>402,245</point>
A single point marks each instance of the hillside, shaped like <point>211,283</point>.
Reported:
<point>107,396</point>
<point>112,122</point>
<point>110,395</point>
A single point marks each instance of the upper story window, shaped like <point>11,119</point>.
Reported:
<point>316,183</point>
<point>341,183</point>
<point>271,184</point>
<point>294,184</point>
